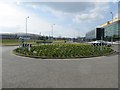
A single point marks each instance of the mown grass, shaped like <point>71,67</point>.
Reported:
<point>13,42</point>
<point>64,51</point>
<point>58,41</point>
<point>16,42</point>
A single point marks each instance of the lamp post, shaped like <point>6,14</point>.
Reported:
<point>112,28</point>
<point>52,30</point>
<point>26,27</point>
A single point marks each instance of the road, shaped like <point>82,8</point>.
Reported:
<point>23,72</point>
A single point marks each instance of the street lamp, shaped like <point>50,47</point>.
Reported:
<point>26,27</point>
<point>52,30</point>
<point>112,28</point>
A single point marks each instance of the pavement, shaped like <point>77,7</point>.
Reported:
<point>23,72</point>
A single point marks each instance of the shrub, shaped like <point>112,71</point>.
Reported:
<point>65,50</point>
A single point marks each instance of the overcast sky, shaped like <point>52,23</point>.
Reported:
<point>71,19</point>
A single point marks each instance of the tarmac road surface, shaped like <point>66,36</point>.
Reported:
<point>23,72</point>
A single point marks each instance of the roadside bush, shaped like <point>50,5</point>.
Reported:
<point>65,51</point>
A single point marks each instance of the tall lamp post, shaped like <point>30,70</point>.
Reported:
<point>112,28</point>
<point>26,27</point>
<point>52,30</point>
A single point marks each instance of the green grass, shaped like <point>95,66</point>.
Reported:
<point>58,41</point>
<point>64,51</point>
<point>13,42</point>
<point>16,42</point>
<point>50,41</point>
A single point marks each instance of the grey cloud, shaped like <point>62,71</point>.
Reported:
<point>68,7</point>
<point>118,9</point>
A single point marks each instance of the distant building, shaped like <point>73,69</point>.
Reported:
<point>17,35</point>
<point>111,29</point>
<point>8,36</point>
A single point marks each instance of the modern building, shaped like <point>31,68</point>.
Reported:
<point>112,28</point>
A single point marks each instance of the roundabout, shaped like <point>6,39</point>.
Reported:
<point>24,72</point>
<point>63,51</point>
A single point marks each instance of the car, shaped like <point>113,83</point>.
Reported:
<point>100,42</point>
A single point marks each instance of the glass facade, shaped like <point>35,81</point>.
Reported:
<point>110,30</point>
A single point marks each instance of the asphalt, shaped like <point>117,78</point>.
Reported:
<point>23,72</point>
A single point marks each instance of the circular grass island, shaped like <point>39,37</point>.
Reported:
<point>63,51</point>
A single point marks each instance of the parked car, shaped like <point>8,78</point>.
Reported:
<point>100,42</point>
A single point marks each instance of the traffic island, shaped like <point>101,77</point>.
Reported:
<point>63,51</point>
